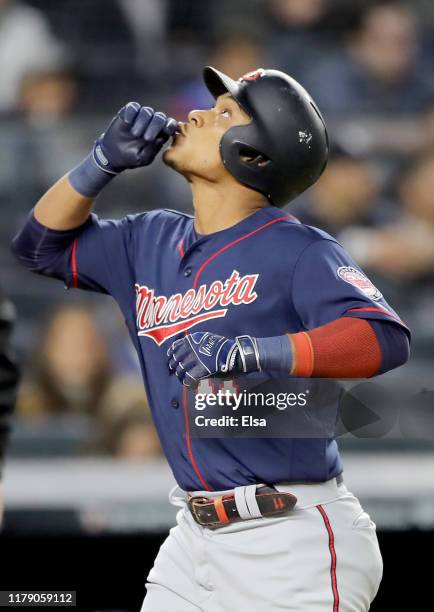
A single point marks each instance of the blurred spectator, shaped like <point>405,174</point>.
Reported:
<point>379,70</point>
<point>234,55</point>
<point>189,20</point>
<point>348,193</point>
<point>47,97</point>
<point>227,18</point>
<point>41,136</point>
<point>297,38</point>
<point>101,44</point>
<point>146,20</point>
<point>127,428</point>
<point>298,13</point>
<point>70,367</point>
<point>404,250</point>
<point>26,44</point>
<point>428,125</point>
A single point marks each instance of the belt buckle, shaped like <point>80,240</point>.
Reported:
<point>192,501</point>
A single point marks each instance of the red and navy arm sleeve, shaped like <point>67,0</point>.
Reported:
<point>348,348</point>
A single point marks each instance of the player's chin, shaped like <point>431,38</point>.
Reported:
<point>172,158</point>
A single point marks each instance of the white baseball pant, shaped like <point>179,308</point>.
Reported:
<point>322,557</point>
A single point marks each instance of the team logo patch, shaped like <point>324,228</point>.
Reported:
<point>254,75</point>
<point>361,281</point>
<point>160,317</point>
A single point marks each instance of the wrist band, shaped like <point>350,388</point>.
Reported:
<point>248,353</point>
<point>275,353</point>
<point>88,178</point>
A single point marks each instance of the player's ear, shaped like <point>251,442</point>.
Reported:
<point>251,156</point>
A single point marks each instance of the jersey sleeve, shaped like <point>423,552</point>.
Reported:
<point>100,258</point>
<point>328,284</point>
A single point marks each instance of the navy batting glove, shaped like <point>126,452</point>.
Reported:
<point>132,140</point>
<point>204,354</point>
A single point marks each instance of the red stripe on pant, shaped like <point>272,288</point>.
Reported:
<point>332,557</point>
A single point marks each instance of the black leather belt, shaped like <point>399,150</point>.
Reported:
<point>214,512</point>
<point>220,511</point>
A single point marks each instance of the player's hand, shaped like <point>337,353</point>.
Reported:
<point>133,138</point>
<point>204,354</point>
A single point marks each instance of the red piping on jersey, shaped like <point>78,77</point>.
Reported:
<point>184,390</point>
<point>228,246</point>
<point>333,558</point>
<point>181,247</point>
<point>188,442</point>
<point>74,264</point>
<point>380,310</point>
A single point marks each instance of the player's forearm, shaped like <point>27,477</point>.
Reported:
<point>62,207</point>
<point>68,203</point>
<point>132,140</point>
<point>345,348</point>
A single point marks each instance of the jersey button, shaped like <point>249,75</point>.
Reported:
<point>175,403</point>
<point>187,272</point>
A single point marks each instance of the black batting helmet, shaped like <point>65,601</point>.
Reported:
<point>285,146</point>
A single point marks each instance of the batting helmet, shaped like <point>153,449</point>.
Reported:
<point>286,142</point>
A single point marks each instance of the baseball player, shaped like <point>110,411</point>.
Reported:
<point>238,291</point>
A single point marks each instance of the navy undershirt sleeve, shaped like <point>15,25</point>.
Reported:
<point>94,256</point>
<point>43,250</point>
<point>394,344</point>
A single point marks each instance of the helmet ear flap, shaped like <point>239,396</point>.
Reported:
<point>252,157</point>
<point>246,162</point>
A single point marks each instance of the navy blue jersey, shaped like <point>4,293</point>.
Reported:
<point>266,276</point>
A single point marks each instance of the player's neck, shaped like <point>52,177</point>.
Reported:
<point>218,208</point>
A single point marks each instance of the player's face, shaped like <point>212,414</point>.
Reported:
<point>195,151</point>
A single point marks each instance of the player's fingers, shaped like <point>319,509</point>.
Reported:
<point>197,370</point>
<point>170,126</point>
<point>189,381</point>
<point>180,373</point>
<point>172,364</point>
<point>167,132</point>
<point>129,112</point>
<point>182,352</point>
<point>159,141</point>
<point>179,370</point>
<point>142,121</point>
<point>173,346</point>
<point>155,126</point>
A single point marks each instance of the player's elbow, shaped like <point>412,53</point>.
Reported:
<point>26,253</point>
<point>38,249</point>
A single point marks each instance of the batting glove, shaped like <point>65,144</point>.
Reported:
<point>203,354</point>
<point>132,140</point>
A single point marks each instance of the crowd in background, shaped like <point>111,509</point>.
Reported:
<point>68,65</point>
